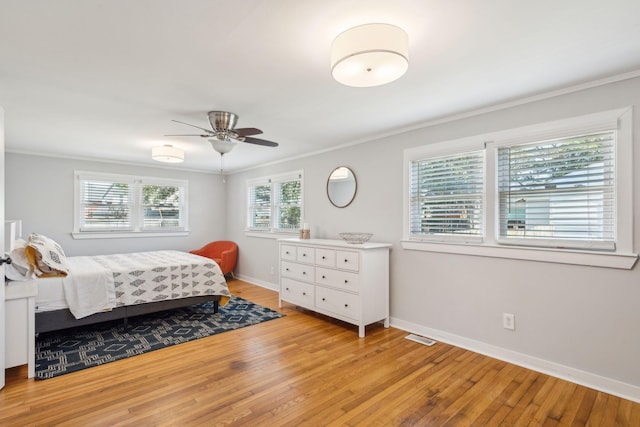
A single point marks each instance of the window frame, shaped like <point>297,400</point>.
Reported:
<point>622,257</point>
<point>605,244</point>
<point>273,231</point>
<point>137,228</point>
<point>251,184</point>
<point>182,185</point>
<point>464,150</point>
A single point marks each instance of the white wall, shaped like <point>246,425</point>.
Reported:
<point>580,321</point>
<point>39,191</point>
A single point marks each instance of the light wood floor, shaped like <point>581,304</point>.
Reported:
<point>306,369</point>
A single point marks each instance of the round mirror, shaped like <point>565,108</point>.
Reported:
<point>341,187</point>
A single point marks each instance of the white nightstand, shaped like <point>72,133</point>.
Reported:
<point>19,303</point>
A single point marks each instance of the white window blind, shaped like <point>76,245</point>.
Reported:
<point>260,206</point>
<point>559,193</point>
<point>446,196</point>
<point>105,204</point>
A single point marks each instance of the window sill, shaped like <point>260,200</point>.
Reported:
<point>127,234</point>
<point>618,260</point>
<point>270,234</point>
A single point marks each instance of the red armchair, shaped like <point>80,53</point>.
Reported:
<point>223,252</point>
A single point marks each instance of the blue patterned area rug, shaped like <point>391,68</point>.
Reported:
<point>70,350</point>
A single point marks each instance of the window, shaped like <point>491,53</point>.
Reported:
<point>108,204</point>
<point>162,206</point>
<point>275,203</point>
<point>447,196</point>
<point>260,206</point>
<point>558,191</point>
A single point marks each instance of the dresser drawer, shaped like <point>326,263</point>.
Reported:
<point>326,257</point>
<point>337,278</point>
<point>288,252</point>
<point>297,292</point>
<point>348,260</point>
<point>296,271</point>
<point>338,302</point>
<point>305,254</point>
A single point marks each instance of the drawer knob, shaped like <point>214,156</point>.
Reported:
<point>304,293</point>
<point>346,305</point>
<point>287,252</point>
<point>324,257</point>
<point>346,260</point>
<point>304,272</point>
<point>304,254</point>
<point>287,269</point>
<point>324,277</point>
<point>346,281</point>
<point>287,288</point>
<point>324,299</point>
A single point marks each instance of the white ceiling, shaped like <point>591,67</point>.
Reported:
<point>104,78</point>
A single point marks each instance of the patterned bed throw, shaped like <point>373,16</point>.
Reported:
<point>144,277</point>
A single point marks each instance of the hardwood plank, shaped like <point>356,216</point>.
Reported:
<point>307,369</point>
<point>584,413</point>
<point>488,390</point>
<point>570,413</point>
<point>499,408</point>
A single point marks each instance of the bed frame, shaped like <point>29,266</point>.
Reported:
<point>48,321</point>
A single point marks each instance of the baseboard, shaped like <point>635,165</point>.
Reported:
<point>577,376</point>
<point>268,285</point>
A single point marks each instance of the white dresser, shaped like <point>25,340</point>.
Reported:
<point>345,281</point>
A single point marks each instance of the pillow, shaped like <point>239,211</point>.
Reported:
<point>20,267</point>
<point>46,256</point>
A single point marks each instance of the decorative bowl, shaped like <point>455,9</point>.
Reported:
<point>356,238</point>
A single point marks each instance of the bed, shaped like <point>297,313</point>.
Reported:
<point>76,291</point>
<point>119,286</point>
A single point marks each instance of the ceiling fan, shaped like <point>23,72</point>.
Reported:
<point>223,131</point>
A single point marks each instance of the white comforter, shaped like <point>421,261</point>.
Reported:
<point>89,287</point>
<point>99,283</point>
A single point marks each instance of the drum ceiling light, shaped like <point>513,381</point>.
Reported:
<point>167,154</point>
<point>370,55</point>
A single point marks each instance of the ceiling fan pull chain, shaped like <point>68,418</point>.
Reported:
<point>224,181</point>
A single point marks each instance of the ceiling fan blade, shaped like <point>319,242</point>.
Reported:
<point>202,136</point>
<point>198,127</point>
<point>258,141</point>
<point>247,131</point>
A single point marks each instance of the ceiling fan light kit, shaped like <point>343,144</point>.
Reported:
<point>370,55</point>
<point>167,154</point>
<point>222,147</point>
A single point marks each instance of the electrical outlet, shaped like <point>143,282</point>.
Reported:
<point>509,321</point>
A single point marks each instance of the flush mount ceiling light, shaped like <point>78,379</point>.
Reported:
<point>370,55</point>
<point>167,154</point>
